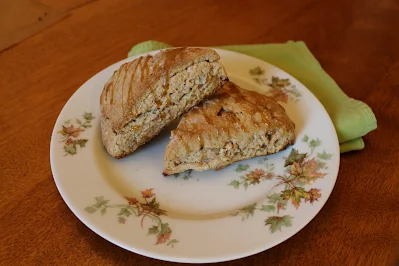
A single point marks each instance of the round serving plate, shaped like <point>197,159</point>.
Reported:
<point>197,217</point>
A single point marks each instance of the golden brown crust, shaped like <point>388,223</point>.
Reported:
<point>145,95</point>
<point>235,124</point>
<point>135,80</point>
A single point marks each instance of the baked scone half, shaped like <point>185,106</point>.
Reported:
<point>234,125</point>
<point>145,95</point>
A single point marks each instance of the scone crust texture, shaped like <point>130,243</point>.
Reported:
<point>133,81</point>
<point>233,125</point>
<point>145,95</point>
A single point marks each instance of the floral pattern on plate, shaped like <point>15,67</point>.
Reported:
<point>255,176</point>
<point>147,208</point>
<point>280,89</point>
<point>300,170</point>
<point>184,175</point>
<point>70,134</point>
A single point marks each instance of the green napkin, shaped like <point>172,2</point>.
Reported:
<point>352,118</point>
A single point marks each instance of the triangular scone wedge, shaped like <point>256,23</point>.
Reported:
<point>145,95</point>
<point>234,125</point>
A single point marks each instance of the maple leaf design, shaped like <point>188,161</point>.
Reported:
<point>153,206</point>
<point>278,201</point>
<point>281,205</point>
<point>268,208</point>
<point>63,131</point>
<point>276,222</point>
<point>153,230</point>
<point>246,211</point>
<point>321,165</point>
<point>70,149</point>
<point>88,116</point>
<point>121,220</point>
<point>70,131</point>
<point>314,143</point>
<point>131,201</point>
<point>257,71</point>
<point>278,83</point>
<point>255,176</point>
<point>274,198</point>
<point>299,170</point>
<point>281,89</point>
<point>124,212</point>
<point>172,242</point>
<point>314,195</point>
<point>74,132</point>
<point>164,233</point>
<point>294,156</point>
<point>163,238</point>
<point>81,142</point>
<point>187,174</point>
<point>148,209</point>
<point>324,156</point>
<point>235,184</point>
<point>100,201</point>
<point>306,172</point>
<point>296,169</point>
<point>296,195</point>
<point>90,209</point>
<point>159,211</point>
<point>309,170</point>
<point>279,96</point>
<point>242,168</point>
<point>147,193</point>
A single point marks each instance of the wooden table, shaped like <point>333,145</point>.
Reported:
<point>356,41</point>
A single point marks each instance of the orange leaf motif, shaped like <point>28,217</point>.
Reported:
<point>314,195</point>
<point>295,195</point>
<point>306,171</point>
<point>132,201</point>
<point>163,238</point>
<point>279,96</point>
<point>147,193</point>
<point>71,131</point>
<point>255,175</point>
<point>296,169</point>
<point>309,170</point>
<point>280,206</point>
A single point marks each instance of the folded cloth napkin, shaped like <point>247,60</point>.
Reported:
<point>352,118</point>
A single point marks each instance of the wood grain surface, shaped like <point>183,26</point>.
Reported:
<point>357,42</point>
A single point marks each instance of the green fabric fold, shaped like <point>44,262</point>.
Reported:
<point>352,118</point>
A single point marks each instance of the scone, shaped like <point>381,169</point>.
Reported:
<point>234,125</point>
<point>145,95</point>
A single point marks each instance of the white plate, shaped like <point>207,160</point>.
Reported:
<point>212,216</point>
